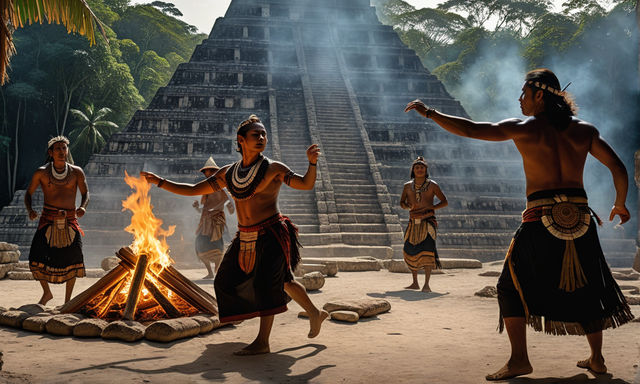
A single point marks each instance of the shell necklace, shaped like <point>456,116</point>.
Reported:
<point>59,178</point>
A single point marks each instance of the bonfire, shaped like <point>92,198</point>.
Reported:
<point>144,286</point>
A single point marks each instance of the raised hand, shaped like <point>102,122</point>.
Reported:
<point>419,107</point>
<point>312,153</point>
<point>152,178</point>
<point>623,212</point>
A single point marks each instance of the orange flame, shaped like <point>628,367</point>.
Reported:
<point>149,236</point>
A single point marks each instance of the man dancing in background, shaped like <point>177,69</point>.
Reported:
<point>555,277</point>
<point>420,237</point>
<point>213,222</point>
<point>56,250</point>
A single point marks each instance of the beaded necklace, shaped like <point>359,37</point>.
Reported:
<point>242,182</point>
<point>59,178</point>
<point>422,188</point>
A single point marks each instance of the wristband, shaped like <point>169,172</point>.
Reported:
<point>312,164</point>
<point>160,183</point>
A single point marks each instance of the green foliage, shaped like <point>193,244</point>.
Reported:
<point>55,73</point>
<point>91,134</point>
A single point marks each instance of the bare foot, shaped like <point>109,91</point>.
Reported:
<point>509,371</point>
<point>315,322</point>
<point>413,286</point>
<point>594,365</point>
<point>45,298</point>
<point>426,289</point>
<point>208,276</point>
<point>253,349</point>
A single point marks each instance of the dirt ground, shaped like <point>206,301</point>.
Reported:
<point>444,337</point>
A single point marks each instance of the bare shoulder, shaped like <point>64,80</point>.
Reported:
<point>513,122</point>
<point>41,171</point>
<point>408,183</point>
<point>584,126</point>
<point>77,170</point>
<point>278,167</point>
<point>434,183</point>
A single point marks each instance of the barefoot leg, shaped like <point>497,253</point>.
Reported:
<point>518,363</point>
<point>261,344</point>
<point>415,284</point>
<point>209,270</point>
<point>46,292</point>
<point>427,276</point>
<point>316,316</point>
<point>69,289</point>
<point>595,362</point>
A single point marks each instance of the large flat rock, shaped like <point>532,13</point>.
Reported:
<point>364,307</point>
<point>124,330</point>
<point>173,329</point>
<point>90,327</point>
<point>6,268</point>
<point>13,318</point>
<point>460,263</point>
<point>37,323</point>
<point>62,325</point>
<point>9,257</point>
<point>348,264</point>
<point>4,246</point>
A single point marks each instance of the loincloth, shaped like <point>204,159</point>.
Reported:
<point>420,244</point>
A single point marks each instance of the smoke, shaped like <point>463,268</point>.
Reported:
<point>603,73</point>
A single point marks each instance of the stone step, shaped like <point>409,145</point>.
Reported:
<point>344,251</point>
<point>359,208</point>
<point>362,227</point>
<point>474,239</point>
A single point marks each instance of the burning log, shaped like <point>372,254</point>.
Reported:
<point>101,286</point>
<point>136,286</point>
<point>161,299</point>
<point>114,292</point>
<point>175,281</point>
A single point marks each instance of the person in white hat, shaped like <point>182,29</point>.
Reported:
<point>213,222</point>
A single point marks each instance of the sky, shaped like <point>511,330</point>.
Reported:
<point>203,13</point>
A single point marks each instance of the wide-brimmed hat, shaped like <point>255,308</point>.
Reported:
<point>210,164</point>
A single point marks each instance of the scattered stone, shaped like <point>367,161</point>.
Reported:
<point>9,257</point>
<point>108,263</point>
<point>348,316</point>
<point>364,307</point>
<point>488,291</point>
<point>303,314</point>
<point>207,322</point>
<point>6,268</point>
<point>633,300</point>
<point>172,329</point>
<point>497,262</point>
<point>311,281</point>
<point>13,318</point>
<point>460,263</point>
<point>8,246</point>
<point>626,276</point>
<point>62,325</point>
<point>346,264</point>
<point>89,328</point>
<point>489,273</point>
<point>94,272</point>
<point>332,268</point>
<point>37,323</point>
<point>20,275</point>
<point>3,309</point>
<point>124,330</point>
<point>308,268</point>
<point>33,309</point>
<point>299,271</point>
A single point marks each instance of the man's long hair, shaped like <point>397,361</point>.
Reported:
<point>559,105</point>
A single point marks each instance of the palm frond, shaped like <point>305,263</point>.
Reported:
<point>75,15</point>
<point>80,115</point>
